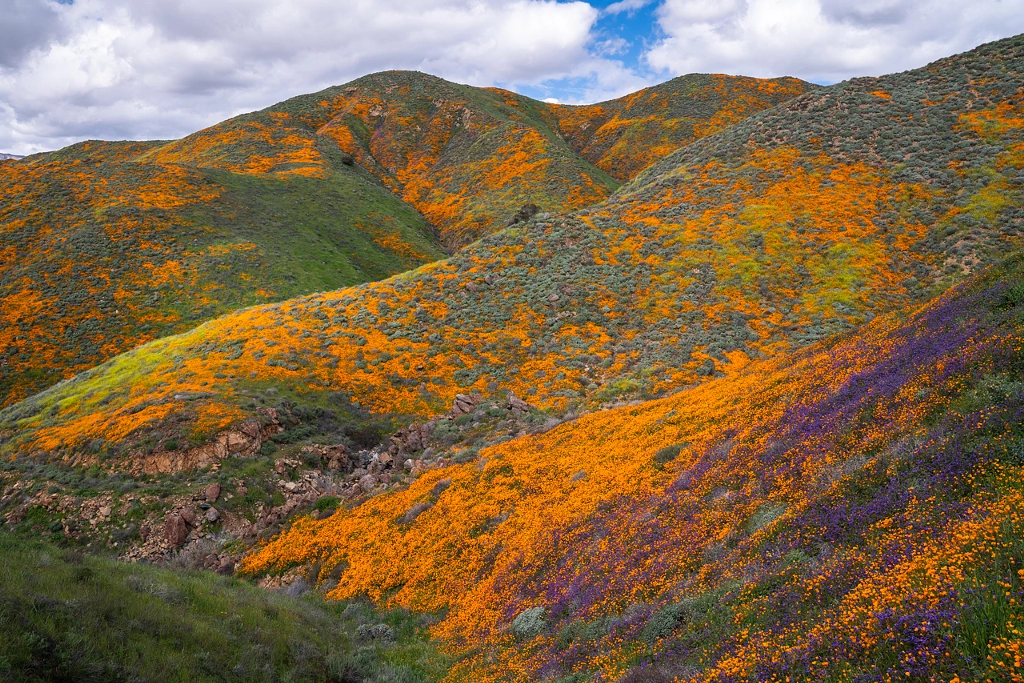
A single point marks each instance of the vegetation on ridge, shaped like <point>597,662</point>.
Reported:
<point>104,246</point>
<point>755,239</point>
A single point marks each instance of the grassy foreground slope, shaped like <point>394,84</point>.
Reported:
<point>102,249</point>
<point>69,617</point>
<point>795,224</point>
<point>850,512</point>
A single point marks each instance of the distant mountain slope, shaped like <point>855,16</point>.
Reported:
<point>850,512</point>
<point>468,157</point>
<point>797,223</point>
<point>624,136</point>
<point>101,250</point>
<point>108,245</point>
<point>9,157</point>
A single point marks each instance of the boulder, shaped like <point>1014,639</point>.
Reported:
<point>368,482</point>
<point>464,404</point>
<point>516,404</point>
<point>226,566</point>
<point>212,492</point>
<point>188,516</point>
<point>212,515</point>
<point>175,530</point>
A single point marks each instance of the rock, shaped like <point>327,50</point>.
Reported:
<point>144,532</point>
<point>408,464</point>
<point>241,490</point>
<point>212,515</point>
<point>226,566</point>
<point>175,530</point>
<point>290,486</point>
<point>367,482</point>
<point>336,457</point>
<point>464,404</point>
<point>212,492</point>
<point>188,516</point>
<point>281,467</point>
<point>385,459</point>
<point>516,404</point>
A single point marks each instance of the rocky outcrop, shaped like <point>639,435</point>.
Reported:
<point>242,440</point>
<point>335,458</point>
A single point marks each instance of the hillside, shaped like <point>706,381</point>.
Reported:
<point>848,512</point>
<point>469,157</point>
<point>101,250</point>
<point>104,245</point>
<point>65,616</point>
<point>624,136</point>
<point>795,224</point>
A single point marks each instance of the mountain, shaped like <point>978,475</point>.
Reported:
<point>623,137</point>
<point>847,512</point>
<point>109,245</point>
<point>9,157</point>
<point>103,249</point>
<point>468,157</point>
<point>797,223</point>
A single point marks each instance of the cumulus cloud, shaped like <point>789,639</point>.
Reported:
<point>151,68</point>
<point>823,40</point>
<point>110,69</point>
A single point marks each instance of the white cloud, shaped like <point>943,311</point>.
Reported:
<point>152,68</point>
<point>627,6</point>
<point>157,69</point>
<point>823,40</point>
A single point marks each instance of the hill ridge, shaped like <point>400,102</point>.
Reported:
<point>700,264</point>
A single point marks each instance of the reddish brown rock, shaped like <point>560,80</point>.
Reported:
<point>175,530</point>
<point>212,493</point>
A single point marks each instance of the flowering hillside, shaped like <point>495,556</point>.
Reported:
<point>623,137</point>
<point>104,246</point>
<point>798,223</point>
<point>101,250</point>
<point>848,512</point>
<point>468,158</point>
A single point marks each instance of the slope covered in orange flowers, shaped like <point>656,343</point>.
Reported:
<point>798,223</point>
<point>104,247</point>
<point>848,512</point>
<point>467,157</point>
<point>624,136</point>
<point>107,245</point>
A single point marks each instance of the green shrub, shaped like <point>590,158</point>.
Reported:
<point>668,453</point>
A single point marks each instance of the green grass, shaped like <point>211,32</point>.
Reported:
<point>69,617</point>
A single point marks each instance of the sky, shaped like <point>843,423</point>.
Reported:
<point>72,70</point>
